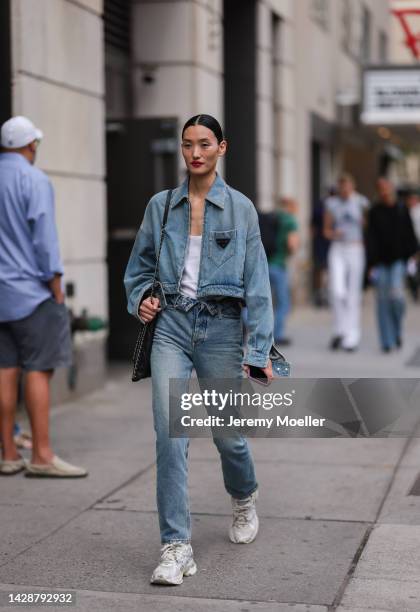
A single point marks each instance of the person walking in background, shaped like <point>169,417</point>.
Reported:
<point>413,205</point>
<point>34,323</point>
<point>343,226</point>
<point>413,265</point>
<point>287,243</point>
<point>320,246</point>
<point>391,242</point>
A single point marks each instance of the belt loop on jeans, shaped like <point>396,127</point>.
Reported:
<point>212,308</point>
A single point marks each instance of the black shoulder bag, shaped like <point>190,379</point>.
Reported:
<point>143,348</point>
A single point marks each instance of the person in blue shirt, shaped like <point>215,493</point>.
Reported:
<point>34,322</point>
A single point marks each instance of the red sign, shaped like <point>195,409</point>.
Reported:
<point>412,40</point>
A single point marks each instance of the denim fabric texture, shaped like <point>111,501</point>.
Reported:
<point>280,283</point>
<point>207,337</point>
<point>390,303</point>
<point>39,342</point>
<point>233,261</point>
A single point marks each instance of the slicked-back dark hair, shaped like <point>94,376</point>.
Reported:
<point>209,122</point>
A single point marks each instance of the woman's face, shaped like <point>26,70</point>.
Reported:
<point>201,149</point>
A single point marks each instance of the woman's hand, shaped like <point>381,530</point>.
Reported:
<point>149,309</point>
<point>268,371</point>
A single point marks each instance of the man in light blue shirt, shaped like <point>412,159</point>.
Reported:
<point>34,322</point>
<point>30,265</point>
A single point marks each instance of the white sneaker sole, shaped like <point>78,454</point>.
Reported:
<point>189,570</point>
<point>251,539</point>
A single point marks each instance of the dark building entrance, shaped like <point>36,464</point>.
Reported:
<point>141,160</point>
<point>5,62</point>
<point>239,19</point>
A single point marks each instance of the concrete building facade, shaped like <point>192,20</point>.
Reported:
<point>284,78</point>
<point>112,82</point>
<point>57,79</point>
<point>405,53</point>
<point>334,42</point>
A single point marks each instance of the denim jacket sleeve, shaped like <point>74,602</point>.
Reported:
<point>140,269</point>
<point>257,297</point>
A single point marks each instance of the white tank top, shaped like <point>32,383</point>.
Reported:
<point>189,279</point>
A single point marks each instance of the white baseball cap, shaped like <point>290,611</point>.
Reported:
<point>18,132</point>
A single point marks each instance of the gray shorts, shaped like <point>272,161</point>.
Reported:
<point>39,342</point>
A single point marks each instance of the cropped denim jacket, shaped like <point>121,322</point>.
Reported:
<point>233,261</point>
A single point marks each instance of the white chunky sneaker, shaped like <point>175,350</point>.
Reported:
<point>245,520</point>
<point>176,561</point>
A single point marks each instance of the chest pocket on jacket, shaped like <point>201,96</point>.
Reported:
<point>222,245</point>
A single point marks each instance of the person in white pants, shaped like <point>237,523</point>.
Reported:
<point>343,225</point>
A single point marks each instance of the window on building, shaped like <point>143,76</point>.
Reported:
<point>116,21</point>
<point>383,47</point>
<point>365,40</point>
<point>320,12</point>
<point>276,55</point>
<point>347,20</point>
<point>117,24</point>
<point>276,60</point>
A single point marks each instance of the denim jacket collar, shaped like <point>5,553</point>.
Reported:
<point>215,195</point>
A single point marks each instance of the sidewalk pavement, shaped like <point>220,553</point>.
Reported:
<point>337,528</point>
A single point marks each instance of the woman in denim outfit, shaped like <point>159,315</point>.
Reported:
<point>212,261</point>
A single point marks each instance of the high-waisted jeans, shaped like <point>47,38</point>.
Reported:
<point>208,337</point>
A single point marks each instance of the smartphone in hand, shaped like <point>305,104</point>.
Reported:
<point>257,374</point>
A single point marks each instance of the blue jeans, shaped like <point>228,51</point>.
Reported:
<point>390,302</point>
<point>279,280</point>
<point>190,333</point>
